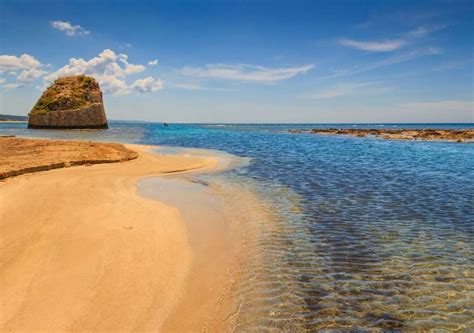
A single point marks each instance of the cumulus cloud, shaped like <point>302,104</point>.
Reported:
<point>129,68</point>
<point>30,75</point>
<point>244,72</point>
<point>11,62</point>
<point>147,84</point>
<point>153,62</point>
<point>382,46</point>
<point>68,28</point>
<point>111,70</point>
<point>28,67</point>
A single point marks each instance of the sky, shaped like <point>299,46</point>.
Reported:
<point>247,61</point>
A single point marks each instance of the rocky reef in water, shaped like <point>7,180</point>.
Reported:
<point>70,102</point>
<point>461,135</point>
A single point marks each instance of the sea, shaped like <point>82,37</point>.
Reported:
<point>365,234</point>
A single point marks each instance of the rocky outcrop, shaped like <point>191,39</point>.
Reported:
<point>19,156</point>
<point>70,102</point>
<point>461,135</point>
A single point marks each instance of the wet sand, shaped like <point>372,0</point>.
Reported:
<point>81,250</point>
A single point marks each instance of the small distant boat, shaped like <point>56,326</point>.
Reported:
<point>165,125</point>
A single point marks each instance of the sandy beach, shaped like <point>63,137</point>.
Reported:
<point>81,250</point>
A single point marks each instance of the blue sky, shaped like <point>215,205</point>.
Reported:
<point>247,61</point>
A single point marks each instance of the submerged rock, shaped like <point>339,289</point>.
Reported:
<point>70,102</point>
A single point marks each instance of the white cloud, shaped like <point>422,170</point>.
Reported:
<point>147,84</point>
<point>68,28</point>
<point>28,67</point>
<point>30,75</point>
<point>381,46</point>
<point>130,68</point>
<point>244,72</point>
<point>133,69</point>
<point>421,31</point>
<point>110,69</point>
<point>153,62</point>
<point>391,44</point>
<point>25,61</point>
<point>2,80</point>
<point>392,60</point>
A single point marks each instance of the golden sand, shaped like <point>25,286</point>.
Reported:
<point>81,250</point>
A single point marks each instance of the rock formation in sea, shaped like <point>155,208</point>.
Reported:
<point>427,134</point>
<point>70,102</point>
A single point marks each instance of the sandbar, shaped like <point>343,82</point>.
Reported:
<point>81,250</point>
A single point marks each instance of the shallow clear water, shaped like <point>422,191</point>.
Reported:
<point>365,233</point>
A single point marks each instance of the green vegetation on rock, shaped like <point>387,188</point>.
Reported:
<point>68,93</point>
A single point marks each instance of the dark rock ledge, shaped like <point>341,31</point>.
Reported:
<point>461,135</point>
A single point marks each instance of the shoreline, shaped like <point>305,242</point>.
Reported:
<point>121,262</point>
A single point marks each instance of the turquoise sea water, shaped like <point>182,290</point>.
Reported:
<point>369,233</point>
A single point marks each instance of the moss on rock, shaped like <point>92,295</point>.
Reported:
<point>68,93</point>
<point>70,102</point>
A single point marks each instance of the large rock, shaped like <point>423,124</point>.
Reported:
<point>70,102</point>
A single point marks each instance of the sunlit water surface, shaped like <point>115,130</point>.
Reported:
<point>364,233</point>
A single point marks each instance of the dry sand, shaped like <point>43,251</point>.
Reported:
<point>80,250</point>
